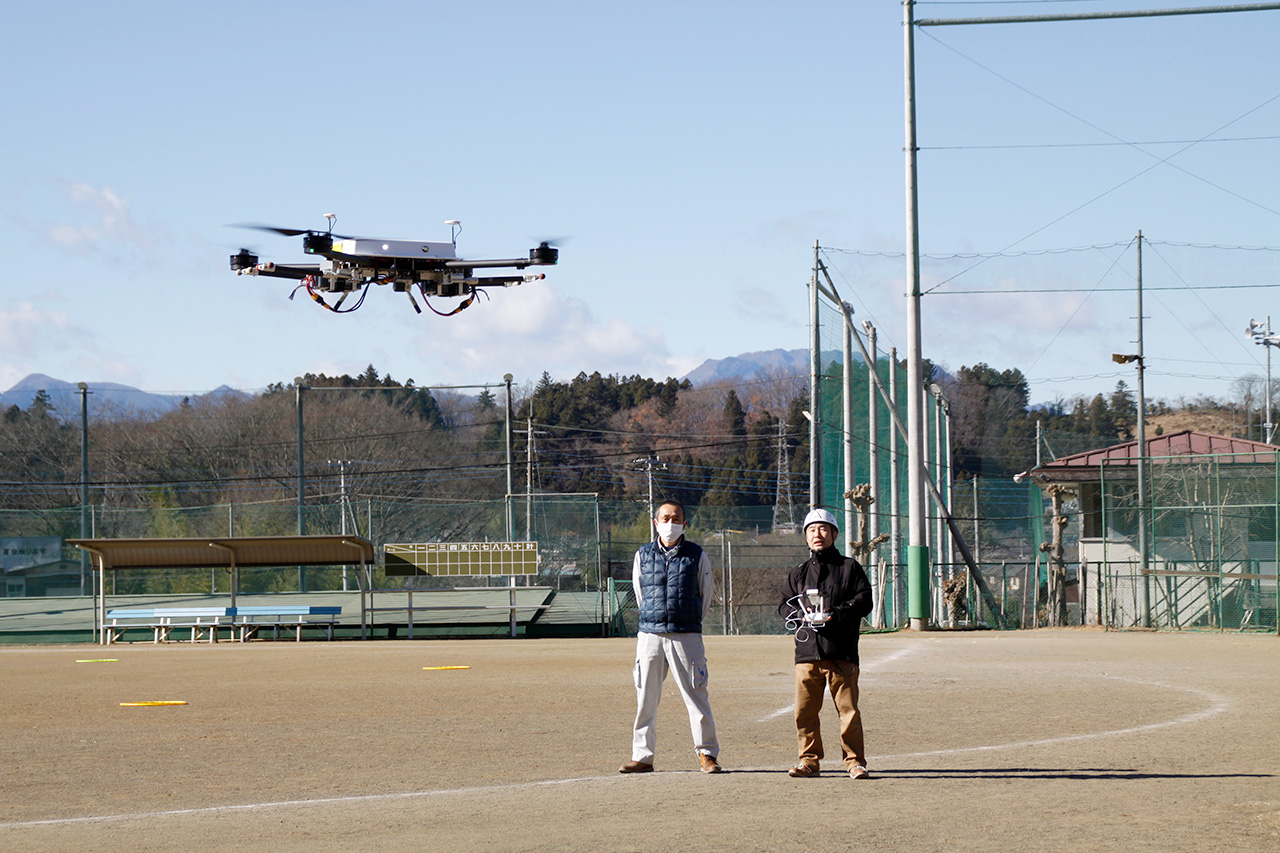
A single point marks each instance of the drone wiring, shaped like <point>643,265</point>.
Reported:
<point>466,303</point>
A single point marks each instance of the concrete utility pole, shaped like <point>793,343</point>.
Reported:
<point>1261,335</point>
<point>302,483</point>
<point>1144,512</point>
<point>511,474</point>
<point>84,484</point>
<point>650,464</point>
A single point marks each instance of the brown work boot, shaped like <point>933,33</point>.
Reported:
<point>708,763</point>
<point>804,771</point>
<point>636,767</point>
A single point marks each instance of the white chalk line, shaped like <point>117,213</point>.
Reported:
<point>1218,705</point>
<point>321,801</point>
<point>875,664</point>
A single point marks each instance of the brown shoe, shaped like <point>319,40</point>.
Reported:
<point>708,763</point>
<point>857,771</point>
<point>804,771</point>
<point>636,767</point>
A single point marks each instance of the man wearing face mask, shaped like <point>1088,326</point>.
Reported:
<point>673,587</point>
<point>827,595</point>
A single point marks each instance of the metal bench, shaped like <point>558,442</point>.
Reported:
<point>242,623</point>
<point>204,622</point>
<point>289,617</point>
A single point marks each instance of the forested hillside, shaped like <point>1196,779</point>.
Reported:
<point>719,445</point>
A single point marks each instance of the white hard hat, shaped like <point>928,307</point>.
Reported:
<point>820,515</point>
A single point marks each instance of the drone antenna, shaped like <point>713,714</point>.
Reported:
<point>455,228</point>
<point>332,217</point>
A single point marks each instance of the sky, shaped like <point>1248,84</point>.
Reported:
<point>687,157</point>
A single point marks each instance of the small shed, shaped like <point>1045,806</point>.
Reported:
<point>1211,515</point>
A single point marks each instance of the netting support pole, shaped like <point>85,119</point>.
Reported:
<point>918,561</point>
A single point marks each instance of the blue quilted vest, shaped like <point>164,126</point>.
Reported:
<point>671,600</point>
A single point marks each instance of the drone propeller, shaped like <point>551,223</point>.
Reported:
<point>288,232</point>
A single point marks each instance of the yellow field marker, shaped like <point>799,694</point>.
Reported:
<point>160,702</point>
<point>446,667</point>
<point>100,660</point>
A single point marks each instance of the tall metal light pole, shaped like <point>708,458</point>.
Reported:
<point>816,496</point>
<point>917,551</point>
<point>917,518</point>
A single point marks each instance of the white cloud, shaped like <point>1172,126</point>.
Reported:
<point>26,333</point>
<point>99,221</point>
<point>536,329</point>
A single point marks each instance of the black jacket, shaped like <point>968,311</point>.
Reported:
<point>848,592</point>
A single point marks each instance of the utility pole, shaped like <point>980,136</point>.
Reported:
<point>650,464</point>
<point>84,484</point>
<point>302,484</point>
<point>344,505</point>
<point>1261,334</point>
<point>1144,512</point>
<point>511,524</point>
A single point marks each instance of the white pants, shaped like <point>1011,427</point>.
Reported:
<point>684,657</point>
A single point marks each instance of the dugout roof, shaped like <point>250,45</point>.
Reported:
<point>233,552</point>
<point>220,552</point>
<point>1087,466</point>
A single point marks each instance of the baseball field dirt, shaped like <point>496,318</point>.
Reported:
<point>1038,740</point>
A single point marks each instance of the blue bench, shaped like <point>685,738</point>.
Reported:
<point>204,622</point>
<point>290,617</point>
<point>242,623</point>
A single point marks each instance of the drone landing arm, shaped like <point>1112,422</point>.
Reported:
<point>501,280</point>
<point>296,272</point>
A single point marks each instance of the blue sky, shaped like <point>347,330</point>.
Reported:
<point>693,154</point>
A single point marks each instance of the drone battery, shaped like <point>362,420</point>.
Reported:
<point>393,248</point>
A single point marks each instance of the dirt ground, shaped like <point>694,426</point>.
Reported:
<point>1044,740</point>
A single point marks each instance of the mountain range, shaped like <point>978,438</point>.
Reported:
<point>111,397</point>
<point>105,398</point>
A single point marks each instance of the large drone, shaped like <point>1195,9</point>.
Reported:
<point>354,263</point>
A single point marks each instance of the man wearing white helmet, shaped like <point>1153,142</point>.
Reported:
<point>828,594</point>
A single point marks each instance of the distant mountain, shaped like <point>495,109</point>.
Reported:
<point>752,365</point>
<point>105,398</point>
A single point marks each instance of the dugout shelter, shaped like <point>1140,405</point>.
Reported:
<point>232,553</point>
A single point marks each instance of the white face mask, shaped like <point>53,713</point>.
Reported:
<point>669,531</point>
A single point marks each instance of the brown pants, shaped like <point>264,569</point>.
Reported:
<point>841,677</point>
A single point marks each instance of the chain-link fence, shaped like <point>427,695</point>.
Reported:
<point>1212,528</point>
<point>1210,524</point>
